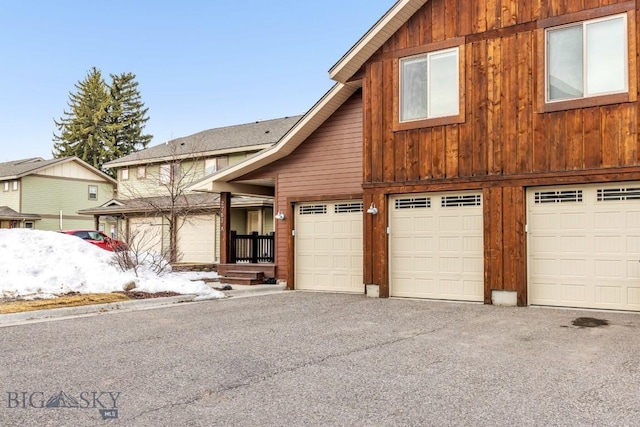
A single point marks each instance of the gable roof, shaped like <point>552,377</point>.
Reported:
<point>317,115</point>
<point>18,168</point>
<point>343,71</point>
<point>7,213</point>
<point>373,39</point>
<point>196,203</point>
<point>229,139</point>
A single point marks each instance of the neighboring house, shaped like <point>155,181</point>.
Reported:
<point>152,188</point>
<point>500,156</point>
<point>47,194</point>
<point>317,166</point>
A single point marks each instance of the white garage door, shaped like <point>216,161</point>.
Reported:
<point>328,246</point>
<point>197,239</point>
<point>436,246</point>
<point>584,246</point>
<point>145,234</point>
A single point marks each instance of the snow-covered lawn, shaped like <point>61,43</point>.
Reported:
<point>42,264</point>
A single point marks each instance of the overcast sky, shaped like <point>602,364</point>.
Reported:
<point>200,64</point>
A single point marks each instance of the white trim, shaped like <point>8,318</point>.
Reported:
<point>351,62</point>
<point>315,117</point>
<point>194,156</point>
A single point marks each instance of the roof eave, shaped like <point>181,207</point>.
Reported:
<point>202,154</point>
<point>373,39</point>
<point>317,115</point>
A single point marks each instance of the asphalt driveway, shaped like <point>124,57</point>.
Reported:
<point>312,359</point>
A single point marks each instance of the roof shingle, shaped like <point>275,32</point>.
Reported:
<point>225,138</point>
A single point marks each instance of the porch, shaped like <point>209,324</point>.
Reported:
<point>250,259</point>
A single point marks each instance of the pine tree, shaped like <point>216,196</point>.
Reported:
<point>103,122</point>
<point>84,129</point>
<point>128,115</point>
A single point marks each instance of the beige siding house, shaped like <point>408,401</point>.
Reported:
<point>153,199</point>
<point>47,194</point>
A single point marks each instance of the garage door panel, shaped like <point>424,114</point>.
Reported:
<point>584,253</point>
<point>608,295</point>
<point>328,246</point>
<point>197,238</point>
<point>436,246</point>
<point>633,296</point>
<point>608,245</point>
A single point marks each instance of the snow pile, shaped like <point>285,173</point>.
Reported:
<point>37,264</point>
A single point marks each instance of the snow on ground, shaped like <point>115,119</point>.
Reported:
<point>39,264</point>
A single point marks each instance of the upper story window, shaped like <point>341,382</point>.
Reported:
<point>429,85</point>
<point>214,164</point>
<point>6,186</point>
<point>124,174</point>
<point>93,192</point>
<point>142,172</point>
<point>170,173</point>
<point>165,174</point>
<point>15,185</point>
<point>587,59</point>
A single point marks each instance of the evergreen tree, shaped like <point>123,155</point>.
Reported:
<point>128,115</point>
<point>103,122</point>
<point>84,129</point>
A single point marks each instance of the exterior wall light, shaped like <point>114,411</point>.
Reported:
<point>372,209</point>
<point>279,216</point>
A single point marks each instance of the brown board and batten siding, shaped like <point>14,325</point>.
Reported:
<point>326,166</point>
<point>506,141</point>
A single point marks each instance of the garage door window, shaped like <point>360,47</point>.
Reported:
<point>413,203</point>
<point>613,194</point>
<point>313,210</point>
<point>458,201</point>
<point>348,207</point>
<point>562,196</point>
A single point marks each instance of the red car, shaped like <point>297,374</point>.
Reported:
<point>99,239</point>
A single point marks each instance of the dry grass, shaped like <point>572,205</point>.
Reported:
<point>64,301</point>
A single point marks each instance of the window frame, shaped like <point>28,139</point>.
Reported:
<point>430,49</point>
<point>626,9</point>
<point>89,192</point>
<point>124,174</point>
<point>15,185</point>
<point>141,172</point>
<point>7,186</point>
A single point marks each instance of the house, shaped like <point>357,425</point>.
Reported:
<point>47,194</point>
<point>500,158</point>
<point>158,213</point>
<point>315,168</point>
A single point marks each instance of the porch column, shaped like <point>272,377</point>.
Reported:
<point>96,221</point>
<point>225,227</point>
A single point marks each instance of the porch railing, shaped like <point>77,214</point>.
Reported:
<point>252,248</point>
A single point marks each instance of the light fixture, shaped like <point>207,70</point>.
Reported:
<point>279,216</point>
<point>372,209</point>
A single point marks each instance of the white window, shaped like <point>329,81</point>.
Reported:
<point>587,59</point>
<point>93,192</point>
<point>124,174</point>
<point>15,185</point>
<point>165,174</point>
<point>142,172</point>
<point>210,166</point>
<point>6,186</point>
<point>214,164</point>
<point>429,85</point>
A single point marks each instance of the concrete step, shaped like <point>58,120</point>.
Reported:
<point>257,275</point>
<point>240,280</point>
